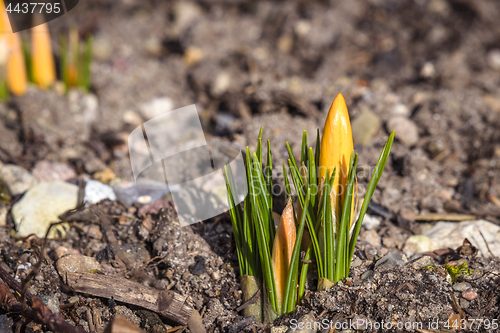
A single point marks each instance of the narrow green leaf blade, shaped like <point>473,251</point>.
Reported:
<point>379,169</point>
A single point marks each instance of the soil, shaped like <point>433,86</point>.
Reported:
<point>277,64</point>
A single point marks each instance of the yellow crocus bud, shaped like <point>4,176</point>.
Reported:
<point>284,242</point>
<point>336,149</point>
<point>44,72</point>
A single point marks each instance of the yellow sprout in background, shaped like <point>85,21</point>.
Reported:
<point>15,66</point>
<point>336,148</point>
<point>284,242</point>
<point>44,73</point>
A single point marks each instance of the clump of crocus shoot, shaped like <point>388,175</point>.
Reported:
<point>326,197</point>
<point>76,58</point>
<point>12,66</point>
<point>21,63</point>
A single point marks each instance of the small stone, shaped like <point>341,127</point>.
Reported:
<point>129,193</point>
<point>153,46</point>
<point>144,199</point>
<point>185,13</point>
<point>428,71</point>
<point>399,109</point>
<point>132,118</point>
<point>356,262</point>
<point>96,192</point>
<point>15,179</point>
<point>461,286</point>
<point>469,294</point>
<point>305,324</point>
<point>464,303</point>
<point>365,127</point>
<point>406,130</point>
<point>279,329</point>
<point>216,276</point>
<point>371,237</point>
<point>391,259</point>
<point>101,48</point>
<point>156,107</point>
<point>371,222</point>
<point>221,83</point>
<point>285,43</point>
<point>77,263</point>
<point>493,102</point>
<point>61,251</point>
<point>45,171</point>
<point>494,59</point>
<point>483,235</point>
<point>52,302</point>
<point>417,244</point>
<point>302,28</point>
<point>423,262</point>
<point>366,275</point>
<point>105,176</point>
<point>390,242</point>
<point>407,214</point>
<point>93,231</point>
<point>41,206</point>
<point>193,55</point>
<point>370,252</point>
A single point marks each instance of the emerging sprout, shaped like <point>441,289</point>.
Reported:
<point>284,242</point>
<point>323,222</point>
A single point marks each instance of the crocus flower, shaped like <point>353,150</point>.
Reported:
<point>335,153</point>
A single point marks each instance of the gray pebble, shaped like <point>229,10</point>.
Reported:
<point>461,286</point>
<point>15,179</point>
<point>366,275</point>
<point>391,259</point>
<point>96,191</point>
<point>406,130</point>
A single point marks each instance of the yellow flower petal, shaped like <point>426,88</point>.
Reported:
<point>336,149</point>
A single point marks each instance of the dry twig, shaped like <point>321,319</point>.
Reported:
<point>38,311</point>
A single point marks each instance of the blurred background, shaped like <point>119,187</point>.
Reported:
<point>430,69</point>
